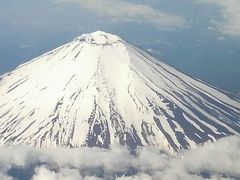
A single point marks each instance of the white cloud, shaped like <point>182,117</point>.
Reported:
<point>230,10</point>
<point>219,160</point>
<point>118,10</point>
<point>43,173</point>
<point>5,177</point>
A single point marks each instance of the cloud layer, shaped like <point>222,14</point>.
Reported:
<point>117,10</point>
<point>230,10</point>
<point>219,160</point>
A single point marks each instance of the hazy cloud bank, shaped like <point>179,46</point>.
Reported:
<point>117,10</point>
<point>219,160</point>
<point>230,10</point>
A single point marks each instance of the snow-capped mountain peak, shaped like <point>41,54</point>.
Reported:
<point>99,38</point>
<point>99,90</point>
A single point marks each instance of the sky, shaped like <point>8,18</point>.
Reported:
<point>198,37</point>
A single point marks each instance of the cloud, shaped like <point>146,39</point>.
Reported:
<point>117,10</point>
<point>218,160</point>
<point>43,173</point>
<point>230,10</point>
<point>25,46</point>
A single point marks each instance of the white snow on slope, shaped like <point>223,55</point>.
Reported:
<point>98,90</point>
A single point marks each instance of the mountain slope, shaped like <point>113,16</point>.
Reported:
<point>98,90</point>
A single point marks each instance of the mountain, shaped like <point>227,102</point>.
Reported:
<point>99,90</point>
